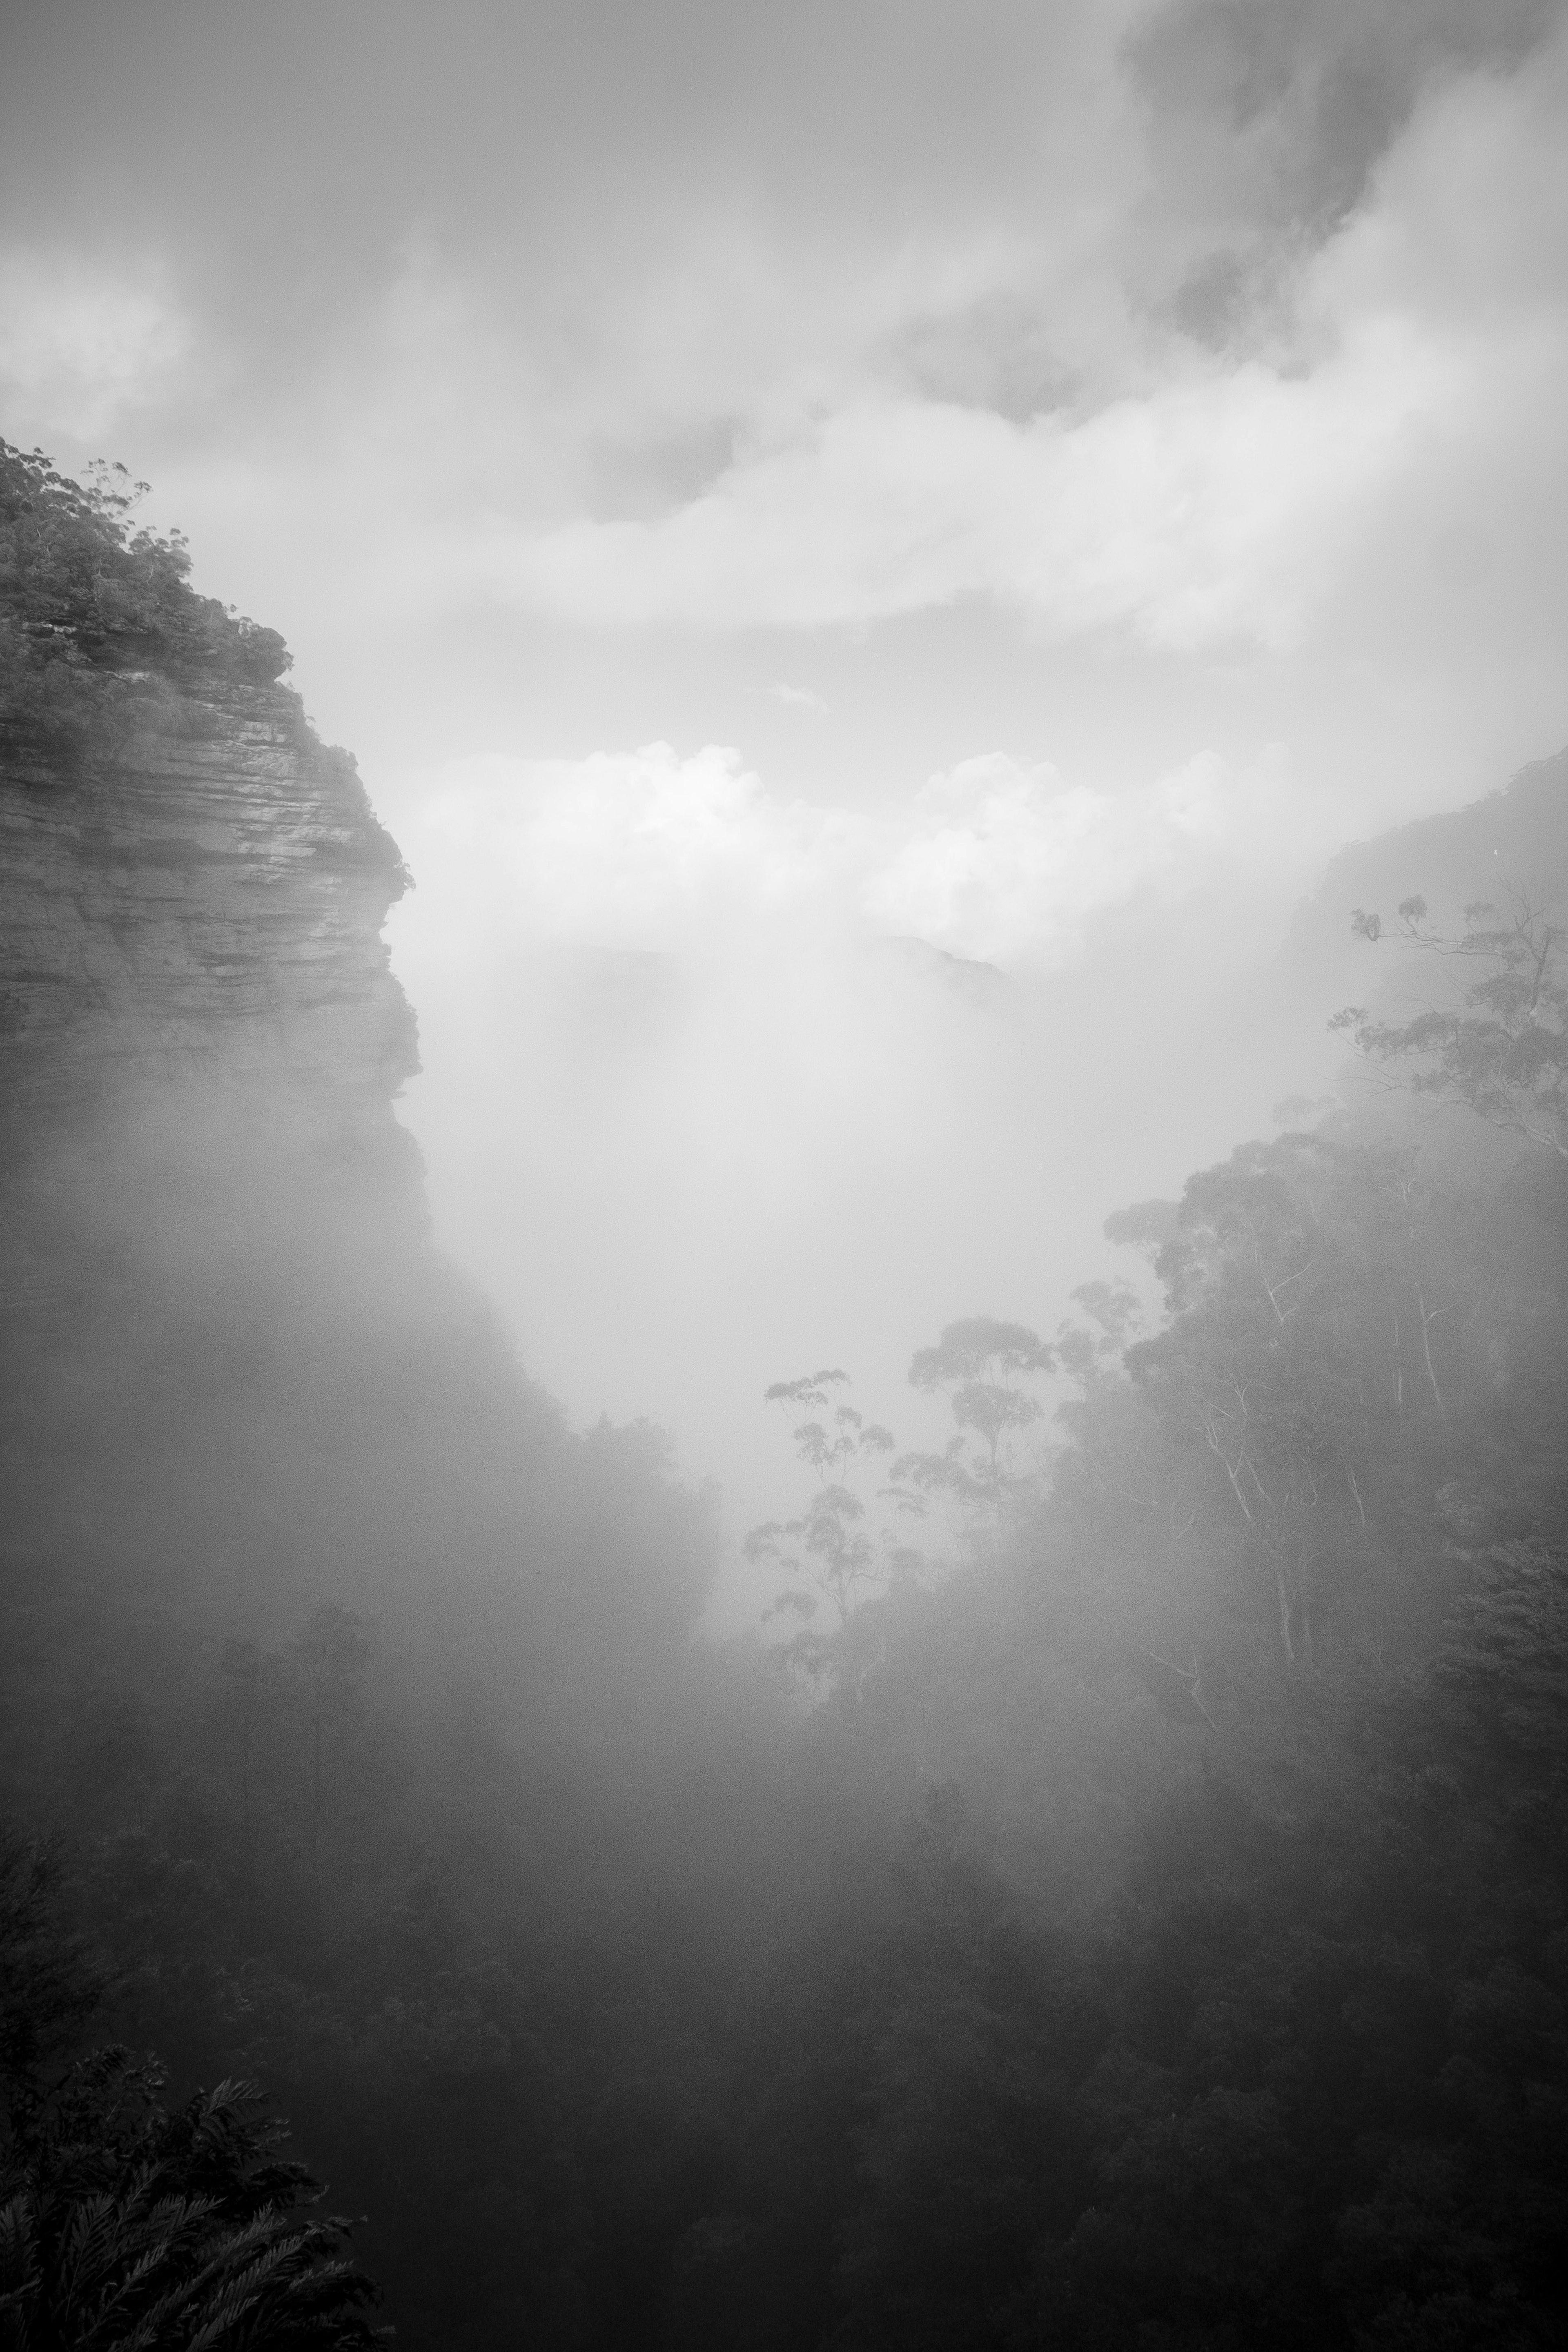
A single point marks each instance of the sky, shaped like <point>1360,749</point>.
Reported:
<point>756,485</point>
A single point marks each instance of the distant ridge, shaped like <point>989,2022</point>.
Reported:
<point>1277,1025</point>
<point>965,974</point>
<point>1517,834</point>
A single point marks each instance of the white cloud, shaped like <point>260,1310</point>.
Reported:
<point>1216,509</point>
<point>640,849</point>
<point>799,698</point>
<point>998,858</point>
<point>1007,861</point>
<point>748,413</point>
<point>1208,501</point>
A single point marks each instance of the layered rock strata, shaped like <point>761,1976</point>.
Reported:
<point>204,900</point>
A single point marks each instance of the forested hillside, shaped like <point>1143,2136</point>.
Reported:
<point>1129,1912</point>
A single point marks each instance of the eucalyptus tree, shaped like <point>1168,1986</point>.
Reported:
<point>1503,1048</point>
<point>825,1548</point>
<point>988,1370</point>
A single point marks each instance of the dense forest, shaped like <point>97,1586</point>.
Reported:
<point>1117,1901</point>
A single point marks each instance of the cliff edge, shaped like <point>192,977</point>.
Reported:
<point>191,884</point>
<point>236,1376</point>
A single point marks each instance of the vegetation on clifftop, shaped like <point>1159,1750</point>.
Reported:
<point>89,604</point>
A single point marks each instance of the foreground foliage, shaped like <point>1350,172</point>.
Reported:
<point>96,616</point>
<point>127,2227</point>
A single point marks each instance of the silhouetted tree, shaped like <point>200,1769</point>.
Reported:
<point>826,1546</point>
<point>985,1369</point>
<point>1503,1050</point>
<point>125,2227</point>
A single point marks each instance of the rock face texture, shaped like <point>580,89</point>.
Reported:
<point>192,886</point>
<point>213,1235</point>
<point>203,898</point>
<point>237,1379</point>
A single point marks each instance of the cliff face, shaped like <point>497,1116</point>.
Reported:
<point>192,887</point>
<point>235,1375</point>
<point>213,1238</point>
<point>204,898</point>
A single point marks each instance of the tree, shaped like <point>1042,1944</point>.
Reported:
<point>1090,1354</point>
<point>89,607</point>
<point>332,1654</point>
<point>826,1545</point>
<point>128,2227</point>
<point>1283,1279</point>
<point>985,1368</point>
<point>1504,1049</point>
<point>50,1983</point>
<point>248,1674</point>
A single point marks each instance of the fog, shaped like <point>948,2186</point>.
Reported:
<point>709,1044</point>
<point>843,1629</point>
<point>1073,516</point>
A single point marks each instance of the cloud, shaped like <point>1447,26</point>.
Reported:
<point>799,698</point>
<point>1268,124</point>
<point>1007,862</point>
<point>640,850</point>
<point>81,342</point>
<point>953,370</point>
<point>677,1176</point>
<point>1212,501</point>
<point>997,858</point>
<point>750,401</point>
<point>1205,514</point>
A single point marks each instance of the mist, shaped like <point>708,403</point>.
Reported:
<point>784,1259</point>
<point>671,1024</point>
<point>1047,528</point>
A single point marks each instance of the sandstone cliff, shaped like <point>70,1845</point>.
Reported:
<point>234,1372</point>
<point>190,882</point>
